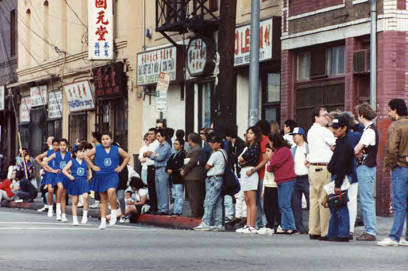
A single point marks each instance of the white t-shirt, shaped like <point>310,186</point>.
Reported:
<point>368,137</point>
<point>218,162</point>
<point>320,139</point>
<point>145,148</point>
<point>300,159</point>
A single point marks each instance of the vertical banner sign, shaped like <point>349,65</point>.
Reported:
<point>79,96</point>
<point>161,90</point>
<point>2,95</point>
<point>55,105</point>
<point>24,109</point>
<point>38,95</point>
<point>100,29</point>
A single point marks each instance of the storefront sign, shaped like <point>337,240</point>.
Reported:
<point>55,105</point>
<point>243,40</point>
<point>38,95</point>
<point>79,96</point>
<point>200,56</point>
<point>100,29</point>
<point>161,90</point>
<point>24,110</point>
<point>151,64</point>
<point>109,80</point>
<point>2,96</point>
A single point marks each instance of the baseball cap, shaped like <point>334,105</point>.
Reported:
<point>339,122</point>
<point>298,131</point>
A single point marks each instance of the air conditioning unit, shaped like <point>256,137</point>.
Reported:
<point>361,61</point>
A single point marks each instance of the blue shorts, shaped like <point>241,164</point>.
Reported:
<point>49,178</point>
<point>103,181</point>
<point>78,187</point>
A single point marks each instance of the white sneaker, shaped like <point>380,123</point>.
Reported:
<point>202,227</point>
<point>75,221</point>
<point>265,231</point>
<point>217,228</point>
<point>388,242</point>
<point>64,218</point>
<point>249,230</point>
<point>102,226</point>
<point>122,219</point>
<point>95,205</point>
<point>112,221</point>
<point>42,209</point>
<point>279,230</point>
<point>84,220</point>
<point>403,242</point>
<point>80,205</point>
<point>50,213</point>
<point>240,230</point>
<point>58,216</point>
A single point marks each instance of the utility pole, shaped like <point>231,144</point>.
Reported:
<point>373,54</point>
<point>253,116</point>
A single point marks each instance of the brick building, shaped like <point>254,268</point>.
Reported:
<point>325,61</point>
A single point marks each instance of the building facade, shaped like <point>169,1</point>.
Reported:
<point>325,61</point>
<point>8,66</point>
<point>65,93</point>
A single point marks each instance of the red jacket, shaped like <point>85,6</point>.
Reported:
<point>282,165</point>
<point>5,185</point>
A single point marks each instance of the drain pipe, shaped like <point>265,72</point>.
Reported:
<point>373,55</point>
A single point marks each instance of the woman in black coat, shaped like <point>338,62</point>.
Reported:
<point>174,166</point>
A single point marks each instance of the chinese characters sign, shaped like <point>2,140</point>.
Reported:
<point>24,109</point>
<point>79,96</point>
<point>161,90</point>
<point>55,105</point>
<point>38,95</point>
<point>100,29</point>
<point>200,56</point>
<point>151,64</point>
<point>109,79</point>
<point>243,40</point>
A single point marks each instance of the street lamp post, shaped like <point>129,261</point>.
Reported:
<point>254,65</point>
<point>373,54</point>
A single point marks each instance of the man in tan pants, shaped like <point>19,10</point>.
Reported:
<point>320,140</point>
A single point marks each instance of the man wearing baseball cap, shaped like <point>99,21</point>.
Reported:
<point>299,153</point>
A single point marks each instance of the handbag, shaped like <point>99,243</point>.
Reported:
<point>337,200</point>
<point>230,185</point>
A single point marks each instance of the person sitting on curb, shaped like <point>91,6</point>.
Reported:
<point>5,189</point>
<point>27,192</point>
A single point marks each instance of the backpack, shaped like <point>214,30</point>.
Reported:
<point>230,185</point>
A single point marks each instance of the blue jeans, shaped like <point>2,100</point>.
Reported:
<point>162,190</point>
<point>144,176</point>
<point>301,187</point>
<point>366,183</point>
<point>399,178</point>
<point>260,213</point>
<point>229,208</point>
<point>285,192</point>
<point>177,191</point>
<point>213,201</point>
<point>339,226</point>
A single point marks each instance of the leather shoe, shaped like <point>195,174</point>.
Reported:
<point>314,237</point>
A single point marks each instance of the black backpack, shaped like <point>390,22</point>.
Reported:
<point>230,185</point>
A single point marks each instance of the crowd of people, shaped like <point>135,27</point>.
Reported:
<point>329,169</point>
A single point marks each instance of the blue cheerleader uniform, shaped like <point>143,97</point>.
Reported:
<point>49,177</point>
<point>61,163</point>
<point>80,172</point>
<point>107,162</point>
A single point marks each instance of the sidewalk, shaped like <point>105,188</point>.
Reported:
<point>384,224</point>
<point>174,222</point>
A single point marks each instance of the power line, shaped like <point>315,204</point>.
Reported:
<point>69,6</point>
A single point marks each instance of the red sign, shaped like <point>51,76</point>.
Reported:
<point>109,80</point>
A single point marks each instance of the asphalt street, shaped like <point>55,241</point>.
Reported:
<point>32,241</point>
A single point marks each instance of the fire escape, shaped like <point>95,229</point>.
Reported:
<point>182,16</point>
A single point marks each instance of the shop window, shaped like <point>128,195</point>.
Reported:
<point>303,66</point>
<point>77,127</point>
<point>54,128</point>
<point>271,96</point>
<point>336,60</point>
<point>206,105</point>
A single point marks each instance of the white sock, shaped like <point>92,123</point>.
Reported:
<point>63,215</point>
<point>103,220</point>
<point>74,219</point>
<point>50,207</point>
<point>114,214</point>
<point>58,209</point>
<point>85,214</point>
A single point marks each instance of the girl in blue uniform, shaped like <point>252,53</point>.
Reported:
<point>61,159</point>
<point>80,174</point>
<point>51,170</point>
<point>106,174</point>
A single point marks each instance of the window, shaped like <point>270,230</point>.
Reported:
<point>55,128</point>
<point>13,32</point>
<point>77,127</point>
<point>303,66</point>
<point>335,60</point>
<point>271,96</point>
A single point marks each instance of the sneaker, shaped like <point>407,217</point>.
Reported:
<point>102,226</point>
<point>202,227</point>
<point>265,231</point>
<point>122,219</point>
<point>42,209</point>
<point>240,230</point>
<point>249,230</point>
<point>112,221</point>
<point>80,205</point>
<point>95,205</point>
<point>279,230</point>
<point>58,216</point>
<point>366,237</point>
<point>75,221</point>
<point>403,242</point>
<point>388,242</point>
<point>84,220</point>
<point>50,213</point>
<point>217,228</point>
<point>64,218</point>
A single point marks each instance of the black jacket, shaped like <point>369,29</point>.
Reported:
<point>341,163</point>
<point>123,177</point>
<point>234,152</point>
<point>27,187</point>
<point>175,163</point>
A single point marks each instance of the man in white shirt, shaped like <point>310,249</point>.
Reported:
<point>299,153</point>
<point>151,172</point>
<point>320,140</point>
